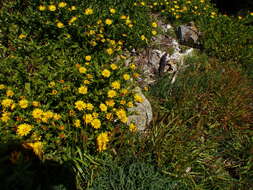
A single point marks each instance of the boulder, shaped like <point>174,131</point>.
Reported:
<point>188,34</point>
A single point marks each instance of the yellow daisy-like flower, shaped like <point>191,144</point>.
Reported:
<point>87,58</point>
<point>73,19</point>
<point>123,17</point>
<point>154,32</point>
<point>7,102</point>
<point>51,7</point>
<point>88,11</point>
<point>96,123</point>
<point>83,90</point>
<point>130,104</point>
<point>62,4</point>
<point>122,115</point>
<point>9,93</point>
<point>115,85</point>
<point>111,93</point>
<point>73,8</point>
<point>124,91</point>
<point>23,103</point>
<point>42,7</point>
<point>89,106</point>
<point>109,116</point>
<point>126,76</point>
<point>87,118</point>
<point>113,66</point>
<point>77,123</point>
<point>143,37</point>
<point>37,148</point>
<point>95,115</point>
<point>102,141</point>
<point>109,51</point>
<point>106,73</point>
<point>138,98</point>
<point>59,24</point>
<point>2,86</point>
<point>57,116</point>
<point>5,117</point>
<point>103,107</point>
<point>113,11</point>
<point>80,105</point>
<point>24,129</point>
<point>110,103</point>
<point>108,21</point>
<point>82,70</point>
<point>132,127</point>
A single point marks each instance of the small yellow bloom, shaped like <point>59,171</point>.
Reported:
<point>108,21</point>
<point>251,14</point>
<point>113,11</point>
<point>109,116</point>
<point>73,8</point>
<point>96,123</point>
<point>115,85</point>
<point>126,76</point>
<point>82,70</point>
<point>113,66</point>
<point>109,51</point>
<point>77,123</point>
<point>9,93</point>
<point>7,103</point>
<point>35,103</point>
<point>5,117</point>
<point>130,104</point>
<point>51,84</point>
<point>83,90</point>
<point>37,148</point>
<point>80,105</point>
<point>59,24</point>
<point>88,11</point>
<point>132,127</point>
<point>123,17</point>
<point>103,107</point>
<point>54,92</point>
<point>111,93</point>
<point>138,98</point>
<point>102,141</point>
<point>110,103</point>
<point>62,4</point>
<point>154,24</point>
<point>23,103</point>
<point>51,7</point>
<point>154,32</point>
<point>42,7</point>
<point>2,86</point>
<point>24,129</point>
<point>87,58</point>
<point>89,106</point>
<point>124,91</point>
<point>57,116</point>
<point>73,19</point>
<point>143,37</point>
<point>106,73</point>
<point>87,118</point>
<point>86,82</point>
<point>122,102</point>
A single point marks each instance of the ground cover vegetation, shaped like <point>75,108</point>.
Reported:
<point>65,93</point>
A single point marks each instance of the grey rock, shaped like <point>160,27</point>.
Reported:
<point>188,34</point>
<point>142,112</point>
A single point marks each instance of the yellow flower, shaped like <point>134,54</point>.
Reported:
<point>110,103</point>
<point>251,14</point>
<point>5,116</point>
<point>57,116</point>
<point>23,103</point>
<point>122,102</point>
<point>111,93</point>
<point>59,24</point>
<point>154,32</point>
<point>113,66</point>
<point>122,115</point>
<point>82,70</point>
<point>138,98</point>
<point>83,90</point>
<point>62,4</point>
<point>130,104</point>
<point>123,17</point>
<point>143,37</point>
<point>87,58</point>
<point>109,116</point>
<point>73,8</point>
<point>51,84</point>
<point>132,127</point>
<point>73,19</point>
<point>154,24</point>
<point>89,106</point>
<point>103,107</point>
<point>88,11</point>
<point>24,129</point>
<point>37,148</point>
<point>106,73</point>
<point>51,7</point>
<point>109,51</point>
<point>86,82</point>
<point>87,118</point>
<point>95,123</point>
<point>133,66</point>
<point>115,85</point>
<point>9,93</point>
<point>2,86</point>
<point>124,91</point>
<point>126,76</point>
<point>80,105</point>
<point>48,114</point>
<point>108,21</point>
<point>77,123</point>
<point>102,141</point>
<point>35,103</point>
<point>112,11</point>
<point>7,102</point>
<point>42,7</point>
<point>95,115</point>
